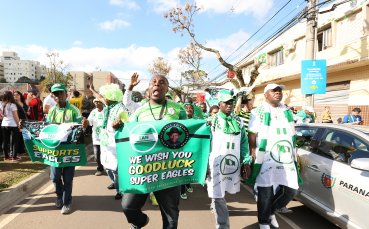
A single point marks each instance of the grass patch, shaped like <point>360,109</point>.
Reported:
<point>12,173</point>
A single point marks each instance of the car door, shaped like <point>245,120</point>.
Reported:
<point>351,187</point>
<point>316,167</point>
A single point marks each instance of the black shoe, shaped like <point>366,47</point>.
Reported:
<point>111,186</point>
<point>118,196</point>
<point>136,227</point>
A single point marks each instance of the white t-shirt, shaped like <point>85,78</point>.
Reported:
<point>95,120</point>
<point>49,100</point>
<point>7,112</point>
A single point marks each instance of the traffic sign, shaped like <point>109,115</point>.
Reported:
<point>313,76</point>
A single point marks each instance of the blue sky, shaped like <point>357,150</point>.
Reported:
<point>125,36</point>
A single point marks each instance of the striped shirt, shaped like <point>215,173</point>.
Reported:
<point>69,113</point>
<point>149,112</point>
<point>245,116</point>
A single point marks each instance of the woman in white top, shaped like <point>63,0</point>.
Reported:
<point>9,127</point>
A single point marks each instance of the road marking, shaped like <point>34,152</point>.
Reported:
<point>284,218</point>
<point>23,207</point>
<point>33,200</point>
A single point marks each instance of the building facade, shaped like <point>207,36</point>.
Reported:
<point>81,80</point>
<point>342,40</point>
<point>15,68</point>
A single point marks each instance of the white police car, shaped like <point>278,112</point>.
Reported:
<point>334,161</point>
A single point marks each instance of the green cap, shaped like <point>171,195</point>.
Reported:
<point>58,87</point>
<point>225,95</point>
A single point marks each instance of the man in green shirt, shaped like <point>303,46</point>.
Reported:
<point>63,112</point>
<point>157,108</point>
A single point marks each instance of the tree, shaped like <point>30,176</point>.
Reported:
<point>160,66</point>
<point>182,21</point>
<point>56,72</point>
<point>25,79</point>
<point>191,56</point>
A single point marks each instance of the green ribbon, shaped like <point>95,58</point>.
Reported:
<point>231,126</point>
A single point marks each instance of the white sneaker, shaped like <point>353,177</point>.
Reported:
<point>273,221</point>
<point>66,209</point>
<point>264,226</point>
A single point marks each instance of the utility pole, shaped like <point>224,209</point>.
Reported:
<point>311,27</point>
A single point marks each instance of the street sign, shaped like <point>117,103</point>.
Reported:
<point>313,76</point>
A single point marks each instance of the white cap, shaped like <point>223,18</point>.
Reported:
<point>273,86</point>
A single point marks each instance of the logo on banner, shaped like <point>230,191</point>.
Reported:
<point>143,137</point>
<point>174,135</point>
<point>50,137</point>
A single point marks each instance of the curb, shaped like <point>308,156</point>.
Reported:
<point>17,193</point>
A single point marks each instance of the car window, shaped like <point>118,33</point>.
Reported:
<point>304,136</point>
<point>342,146</point>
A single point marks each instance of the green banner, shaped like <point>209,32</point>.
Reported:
<point>162,154</point>
<point>54,144</point>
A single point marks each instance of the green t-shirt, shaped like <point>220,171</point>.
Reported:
<point>149,112</point>
<point>69,113</point>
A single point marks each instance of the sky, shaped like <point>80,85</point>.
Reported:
<point>125,36</point>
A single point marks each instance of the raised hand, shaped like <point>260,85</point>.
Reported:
<point>134,81</point>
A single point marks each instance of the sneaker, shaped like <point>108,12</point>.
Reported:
<point>66,209</point>
<point>184,196</point>
<point>154,202</point>
<point>118,196</point>
<point>189,189</point>
<point>284,210</point>
<point>136,227</point>
<point>264,226</point>
<point>111,186</point>
<point>273,221</point>
<point>59,203</point>
<point>98,173</point>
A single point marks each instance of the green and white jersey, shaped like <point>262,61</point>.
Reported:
<point>96,119</point>
<point>149,112</point>
<point>69,113</point>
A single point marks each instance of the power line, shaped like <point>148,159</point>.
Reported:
<point>284,28</point>
<point>254,33</point>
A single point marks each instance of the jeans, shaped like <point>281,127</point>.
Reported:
<point>168,200</point>
<point>220,209</point>
<point>113,175</point>
<point>10,137</point>
<point>63,182</point>
<point>268,202</point>
<point>97,154</point>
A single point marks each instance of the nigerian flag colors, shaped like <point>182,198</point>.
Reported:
<point>156,155</point>
<point>54,144</point>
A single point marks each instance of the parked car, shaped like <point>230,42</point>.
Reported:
<point>334,164</point>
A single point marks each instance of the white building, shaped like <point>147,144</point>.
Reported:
<point>15,68</point>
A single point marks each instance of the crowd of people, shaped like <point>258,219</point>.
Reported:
<point>260,139</point>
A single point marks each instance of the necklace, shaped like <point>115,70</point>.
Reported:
<point>163,106</point>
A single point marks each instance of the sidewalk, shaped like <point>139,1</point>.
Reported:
<point>13,195</point>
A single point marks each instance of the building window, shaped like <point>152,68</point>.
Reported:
<point>324,38</point>
<point>276,58</point>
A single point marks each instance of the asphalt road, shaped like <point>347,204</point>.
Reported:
<point>94,206</point>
